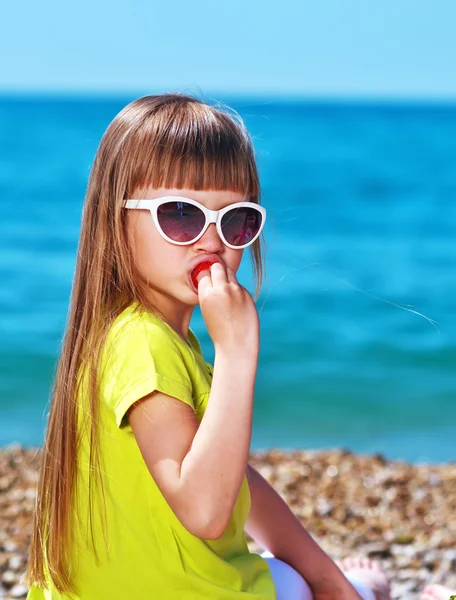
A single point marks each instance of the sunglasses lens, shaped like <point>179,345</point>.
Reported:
<point>241,225</point>
<point>180,221</point>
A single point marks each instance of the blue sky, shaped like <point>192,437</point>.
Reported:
<point>379,48</point>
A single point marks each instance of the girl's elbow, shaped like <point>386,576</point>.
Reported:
<point>212,532</point>
<point>215,530</point>
<point>206,526</point>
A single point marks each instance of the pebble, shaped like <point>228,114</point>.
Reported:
<point>19,591</point>
<point>332,471</point>
<point>15,563</point>
<point>9,579</point>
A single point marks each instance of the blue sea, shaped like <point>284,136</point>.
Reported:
<point>358,310</point>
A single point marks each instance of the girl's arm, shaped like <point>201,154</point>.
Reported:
<point>272,525</point>
<point>199,469</point>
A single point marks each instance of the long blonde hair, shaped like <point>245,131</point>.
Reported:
<point>168,140</point>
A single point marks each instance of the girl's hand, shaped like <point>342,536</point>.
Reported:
<point>229,311</point>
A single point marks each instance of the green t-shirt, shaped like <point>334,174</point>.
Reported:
<point>151,556</point>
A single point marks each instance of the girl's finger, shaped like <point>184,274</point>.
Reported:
<point>231,275</point>
<point>218,273</point>
<point>204,279</point>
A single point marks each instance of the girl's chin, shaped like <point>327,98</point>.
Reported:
<point>192,295</point>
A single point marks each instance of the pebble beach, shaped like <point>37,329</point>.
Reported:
<point>401,514</point>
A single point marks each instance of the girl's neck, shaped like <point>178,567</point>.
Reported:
<point>180,324</point>
<point>176,314</point>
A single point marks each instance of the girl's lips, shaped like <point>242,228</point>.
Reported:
<point>202,266</point>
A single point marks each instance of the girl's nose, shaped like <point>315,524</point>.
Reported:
<point>210,241</point>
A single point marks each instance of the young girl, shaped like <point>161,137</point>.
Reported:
<point>145,491</point>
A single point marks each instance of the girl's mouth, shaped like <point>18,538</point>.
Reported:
<point>203,266</point>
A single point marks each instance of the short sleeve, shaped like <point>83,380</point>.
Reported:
<point>141,357</point>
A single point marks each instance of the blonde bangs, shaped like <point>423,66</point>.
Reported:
<point>191,145</point>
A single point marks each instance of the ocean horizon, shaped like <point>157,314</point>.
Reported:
<point>358,311</point>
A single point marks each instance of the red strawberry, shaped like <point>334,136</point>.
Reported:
<point>204,266</point>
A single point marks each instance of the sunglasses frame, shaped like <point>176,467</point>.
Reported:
<point>211,216</point>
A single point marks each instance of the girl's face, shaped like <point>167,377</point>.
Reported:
<point>166,266</point>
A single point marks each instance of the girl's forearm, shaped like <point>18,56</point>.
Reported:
<point>272,524</point>
<point>217,460</point>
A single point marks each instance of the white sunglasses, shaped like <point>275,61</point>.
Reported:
<point>183,220</point>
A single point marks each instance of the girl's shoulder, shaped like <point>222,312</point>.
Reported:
<point>136,326</point>
<point>133,315</point>
<point>134,320</point>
